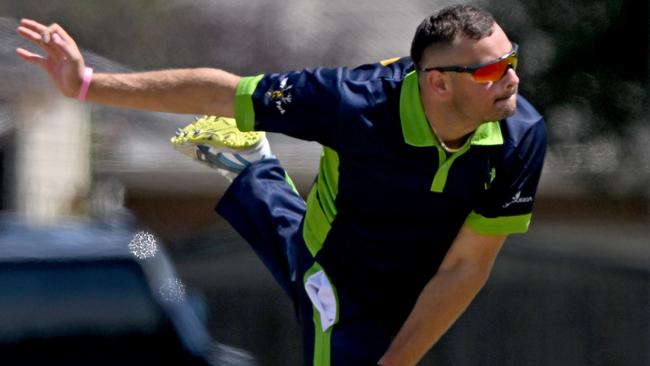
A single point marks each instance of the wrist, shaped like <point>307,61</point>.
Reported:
<point>85,83</point>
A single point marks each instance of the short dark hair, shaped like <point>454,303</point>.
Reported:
<point>443,26</point>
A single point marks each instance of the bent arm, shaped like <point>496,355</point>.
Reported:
<point>196,91</point>
<point>463,272</point>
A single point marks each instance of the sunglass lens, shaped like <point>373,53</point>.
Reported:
<point>491,72</point>
<point>495,71</point>
<point>513,61</point>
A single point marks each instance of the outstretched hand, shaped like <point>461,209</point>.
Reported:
<point>62,60</point>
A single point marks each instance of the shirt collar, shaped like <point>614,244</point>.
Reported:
<point>415,126</point>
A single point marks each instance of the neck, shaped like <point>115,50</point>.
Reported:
<point>447,145</point>
<point>447,124</point>
<point>451,131</point>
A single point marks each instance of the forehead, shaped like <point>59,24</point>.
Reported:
<point>466,51</point>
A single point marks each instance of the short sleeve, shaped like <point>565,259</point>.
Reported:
<point>303,104</point>
<point>312,104</point>
<point>507,204</point>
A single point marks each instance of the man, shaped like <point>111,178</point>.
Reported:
<point>429,162</point>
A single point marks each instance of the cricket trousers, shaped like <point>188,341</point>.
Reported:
<point>264,208</point>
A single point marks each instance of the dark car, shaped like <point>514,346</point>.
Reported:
<point>83,292</point>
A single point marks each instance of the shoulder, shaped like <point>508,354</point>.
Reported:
<point>393,69</point>
<point>365,85</point>
<point>366,77</point>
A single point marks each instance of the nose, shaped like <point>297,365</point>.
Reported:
<point>510,78</point>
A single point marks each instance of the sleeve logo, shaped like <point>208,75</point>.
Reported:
<point>518,199</point>
<point>281,97</point>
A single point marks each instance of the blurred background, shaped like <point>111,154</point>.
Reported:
<point>573,291</point>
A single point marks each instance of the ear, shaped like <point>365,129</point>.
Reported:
<point>438,83</point>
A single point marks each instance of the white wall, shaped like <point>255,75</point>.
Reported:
<point>52,156</point>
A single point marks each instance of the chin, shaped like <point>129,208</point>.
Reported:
<point>505,108</point>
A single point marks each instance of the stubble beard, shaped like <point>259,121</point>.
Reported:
<point>504,108</point>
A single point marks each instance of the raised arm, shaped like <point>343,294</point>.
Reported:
<point>461,275</point>
<point>193,91</point>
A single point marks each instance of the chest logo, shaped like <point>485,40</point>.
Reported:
<point>281,97</point>
<point>493,174</point>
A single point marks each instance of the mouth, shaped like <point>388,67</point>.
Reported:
<point>505,98</point>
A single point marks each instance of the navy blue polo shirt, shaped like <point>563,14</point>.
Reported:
<point>388,200</point>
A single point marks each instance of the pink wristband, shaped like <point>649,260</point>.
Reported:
<point>85,83</point>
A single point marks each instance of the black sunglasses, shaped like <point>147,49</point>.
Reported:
<point>483,73</point>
